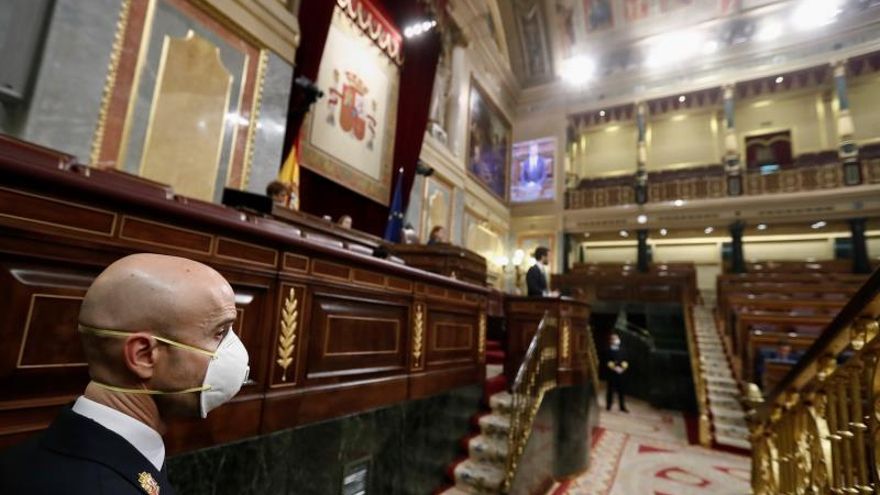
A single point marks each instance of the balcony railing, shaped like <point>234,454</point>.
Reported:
<point>819,429</point>
<point>809,172</point>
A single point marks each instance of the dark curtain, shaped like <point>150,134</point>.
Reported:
<point>321,196</point>
<point>773,148</point>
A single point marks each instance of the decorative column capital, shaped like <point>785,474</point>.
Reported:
<point>839,67</point>
<point>728,90</point>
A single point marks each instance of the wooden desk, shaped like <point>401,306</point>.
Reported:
<point>444,259</point>
<point>365,332</point>
<point>575,336</point>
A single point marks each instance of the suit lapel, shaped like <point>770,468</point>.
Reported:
<point>77,436</point>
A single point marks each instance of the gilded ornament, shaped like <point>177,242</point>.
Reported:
<point>566,339</point>
<point>254,118</point>
<point>418,335</point>
<point>481,337</point>
<point>148,483</point>
<point>287,335</point>
<point>110,82</point>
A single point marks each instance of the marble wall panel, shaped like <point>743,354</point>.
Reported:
<point>272,123</point>
<point>407,446</point>
<point>63,110</point>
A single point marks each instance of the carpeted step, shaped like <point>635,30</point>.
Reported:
<point>494,425</point>
<point>493,345</point>
<point>494,385</point>
<point>495,357</point>
<point>489,450</point>
<point>479,477</point>
<point>501,403</point>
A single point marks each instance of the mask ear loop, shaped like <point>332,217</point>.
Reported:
<point>102,332</point>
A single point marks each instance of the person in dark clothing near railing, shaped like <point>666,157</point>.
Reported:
<point>617,365</point>
<point>536,277</point>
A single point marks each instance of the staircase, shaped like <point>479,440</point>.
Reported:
<point>480,470</point>
<point>728,418</point>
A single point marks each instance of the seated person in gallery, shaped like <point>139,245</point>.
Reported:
<point>279,192</point>
<point>437,236</point>
<point>536,277</point>
<point>157,335</point>
<point>409,235</point>
<point>782,354</point>
<point>344,222</point>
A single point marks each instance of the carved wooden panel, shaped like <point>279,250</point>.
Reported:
<point>41,353</point>
<point>451,337</point>
<point>43,213</point>
<point>246,252</point>
<point>164,235</point>
<point>355,336</point>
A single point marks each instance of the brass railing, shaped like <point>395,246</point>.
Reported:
<point>819,429</point>
<point>536,375</point>
<point>701,389</point>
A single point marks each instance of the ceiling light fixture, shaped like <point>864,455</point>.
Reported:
<point>682,98</point>
<point>418,28</point>
<point>671,48</point>
<point>709,230</point>
<point>624,233</point>
<point>678,202</point>
<point>642,219</point>
<point>762,226</point>
<point>779,80</point>
<point>710,47</point>
<point>578,70</point>
<point>811,14</point>
<point>601,113</point>
<point>819,224</point>
<point>663,232</point>
<point>769,31</point>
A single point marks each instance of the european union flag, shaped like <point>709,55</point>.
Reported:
<point>395,216</point>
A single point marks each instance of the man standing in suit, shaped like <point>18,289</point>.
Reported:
<point>536,277</point>
<point>617,365</point>
<point>158,338</point>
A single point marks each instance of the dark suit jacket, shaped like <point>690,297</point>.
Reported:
<point>77,456</point>
<point>536,282</point>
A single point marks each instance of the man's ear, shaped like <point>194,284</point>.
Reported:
<point>140,351</point>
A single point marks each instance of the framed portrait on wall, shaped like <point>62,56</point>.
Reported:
<point>488,143</point>
<point>532,171</point>
<point>349,134</point>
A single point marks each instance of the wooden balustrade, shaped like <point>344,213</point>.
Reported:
<point>809,172</point>
<point>819,428</point>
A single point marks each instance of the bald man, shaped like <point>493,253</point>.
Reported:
<point>157,335</point>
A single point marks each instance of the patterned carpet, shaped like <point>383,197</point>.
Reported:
<point>645,452</point>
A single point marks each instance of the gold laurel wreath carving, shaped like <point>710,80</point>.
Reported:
<point>418,334</point>
<point>481,342</point>
<point>566,339</point>
<point>287,336</point>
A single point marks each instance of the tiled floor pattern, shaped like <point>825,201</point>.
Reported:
<point>645,452</point>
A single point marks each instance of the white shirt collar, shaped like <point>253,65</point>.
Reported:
<point>146,440</point>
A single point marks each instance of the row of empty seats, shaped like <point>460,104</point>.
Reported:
<point>771,315</point>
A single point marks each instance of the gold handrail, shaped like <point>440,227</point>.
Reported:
<point>536,375</point>
<point>704,431</point>
<point>819,430</point>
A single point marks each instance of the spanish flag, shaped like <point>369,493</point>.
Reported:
<point>289,175</point>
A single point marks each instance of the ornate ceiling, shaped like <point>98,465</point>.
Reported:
<point>636,37</point>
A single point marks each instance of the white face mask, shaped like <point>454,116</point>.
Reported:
<point>227,371</point>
